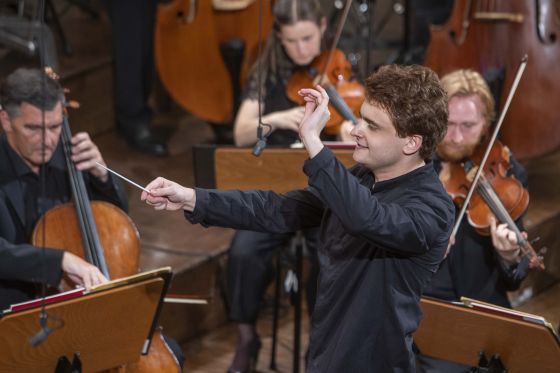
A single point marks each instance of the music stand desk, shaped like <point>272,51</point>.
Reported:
<point>459,332</point>
<point>108,326</point>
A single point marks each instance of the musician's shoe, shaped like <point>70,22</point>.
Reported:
<point>141,138</point>
<point>248,353</point>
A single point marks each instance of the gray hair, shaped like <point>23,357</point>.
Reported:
<point>31,86</point>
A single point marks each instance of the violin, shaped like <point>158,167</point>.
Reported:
<point>497,195</point>
<point>332,70</point>
<point>106,237</point>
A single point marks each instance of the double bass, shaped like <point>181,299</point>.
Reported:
<point>106,237</point>
<point>492,35</point>
<point>188,37</point>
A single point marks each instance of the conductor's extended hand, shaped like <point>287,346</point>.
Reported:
<point>167,195</point>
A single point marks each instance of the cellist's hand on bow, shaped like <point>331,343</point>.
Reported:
<point>315,118</point>
<point>81,272</point>
<point>168,195</point>
<point>85,153</point>
<point>505,242</point>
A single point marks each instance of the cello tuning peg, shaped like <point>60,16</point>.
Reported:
<point>542,251</point>
<point>535,240</point>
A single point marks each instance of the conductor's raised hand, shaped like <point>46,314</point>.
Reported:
<point>167,195</point>
<point>314,119</point>
<point>316,113</point>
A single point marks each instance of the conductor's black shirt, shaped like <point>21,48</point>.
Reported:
<point>380,244</point>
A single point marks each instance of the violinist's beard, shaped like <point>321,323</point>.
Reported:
<point>452,153</point>
<point>449,152</point>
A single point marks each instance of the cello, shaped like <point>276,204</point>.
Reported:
<point>106,237</point>
<point>188,37</point>
<point>492,35</point>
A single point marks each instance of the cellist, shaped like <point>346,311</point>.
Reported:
<point>23,158</point>
<point>479,267</point>
<point>26,156</point>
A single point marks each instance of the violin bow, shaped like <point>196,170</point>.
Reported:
<point>337,35</point>
<point>493,138</point>
<point>337,102</point>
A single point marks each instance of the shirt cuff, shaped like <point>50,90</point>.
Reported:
<point>197,215</point>
<point>320,161</point>
<point>53,264</point>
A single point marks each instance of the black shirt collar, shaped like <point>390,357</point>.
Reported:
<point>403,179</point>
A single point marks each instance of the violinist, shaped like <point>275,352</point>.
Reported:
<point>24,159</point>
<point>296,39</point>
<point>480,267</point>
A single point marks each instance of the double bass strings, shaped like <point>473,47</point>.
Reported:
<point>122,177</point>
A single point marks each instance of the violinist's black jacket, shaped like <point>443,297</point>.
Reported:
<point>21,205</point>
<point>473,268</point>
<point>380,244</point>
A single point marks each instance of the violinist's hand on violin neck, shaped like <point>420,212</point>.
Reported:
<point>315,118</point>
<point>167,195</point>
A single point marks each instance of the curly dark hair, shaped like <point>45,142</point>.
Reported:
<point>415,101</point>
<point>32,86</point>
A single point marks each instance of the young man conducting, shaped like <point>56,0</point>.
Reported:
<point>384,224</point>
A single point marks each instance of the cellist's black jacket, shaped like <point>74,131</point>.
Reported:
<point>379,246</point>
<point>21,264</point>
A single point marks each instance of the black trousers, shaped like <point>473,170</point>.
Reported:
<point>250,270</point>
<point>425,364</point>
<point>133,23</point>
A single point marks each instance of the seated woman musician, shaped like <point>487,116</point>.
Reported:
<point>296,40</point>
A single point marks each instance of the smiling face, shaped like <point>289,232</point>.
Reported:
<point>378,147</point>
<point>302,41</point>
<point>466,126</point>
<point>24,132</point>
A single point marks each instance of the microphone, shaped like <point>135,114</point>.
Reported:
<point>40,337</point>
<point>42,334</point>
<point>339,104</point>
<point>261,142</point>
